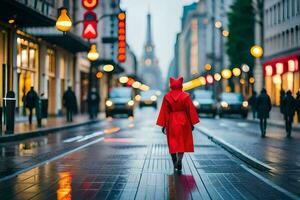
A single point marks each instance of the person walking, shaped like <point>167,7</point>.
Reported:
<point>31,99</point>
<point>289,111</point>
<point>93,103</point>
<point>264,106</point>
<point>177,118</point>
<point>252,102</point>
<point>281,106</point>
<point>297,105</point>
<point>70,103</point>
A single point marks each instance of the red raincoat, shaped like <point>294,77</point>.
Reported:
<point>177,115</point>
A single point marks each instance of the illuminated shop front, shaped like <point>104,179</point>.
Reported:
<point>27,67</point>
<point>282,73</point>
<point>3,58</point>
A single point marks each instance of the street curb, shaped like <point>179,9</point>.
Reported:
<point>42,132</point>
<point>237,152</point>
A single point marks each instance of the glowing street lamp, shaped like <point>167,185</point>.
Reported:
<point>217,76</point>
<point>207,67</point>
<point>123,79</point>
<point>256,51</point>
<point>251,80</point>
<point>99,75</point>
<point>63,22</point>
<point>245,68</point>
<point>226,73</point>
<point>236,71</point>
<point>93,54</point>
<point>225,33</point>
<point>218,24</point>
<point>136,84</point>
<point>108,68</point>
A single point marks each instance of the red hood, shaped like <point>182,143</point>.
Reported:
<point>176,88</point>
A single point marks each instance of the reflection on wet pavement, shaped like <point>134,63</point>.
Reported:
<point>135,164</point>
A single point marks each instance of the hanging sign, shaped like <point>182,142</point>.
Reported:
<point>89,25</point>
<point>89,4</point>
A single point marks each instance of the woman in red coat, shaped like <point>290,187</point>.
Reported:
<point>178,116</point>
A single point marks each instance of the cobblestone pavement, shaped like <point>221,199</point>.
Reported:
<point>133,163</point>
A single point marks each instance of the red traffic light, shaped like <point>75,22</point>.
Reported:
<point>121,37</point>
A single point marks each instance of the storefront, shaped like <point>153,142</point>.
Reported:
<point>3,58</point>
<point>282,74</point>
<point>27,67</point>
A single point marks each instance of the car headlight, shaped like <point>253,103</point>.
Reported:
<point>108,103</point>
<point>153,98</point>
<point>130,103</point>
<point>224,104</point>
<point>196,103</point>
<point>245,103</point>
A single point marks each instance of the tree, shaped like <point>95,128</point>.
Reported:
<point>241,21</point>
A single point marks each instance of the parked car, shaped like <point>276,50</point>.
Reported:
<point>204,102</point>
<point>233,103</point>
<point>148,98</point>
<point>120,101</point>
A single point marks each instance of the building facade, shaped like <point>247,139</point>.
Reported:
<point>282,47</point>
<point>199,42</point>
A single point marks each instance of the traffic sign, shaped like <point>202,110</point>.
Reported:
<point>89,25</point>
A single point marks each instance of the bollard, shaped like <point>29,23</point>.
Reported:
<point>10,106</point>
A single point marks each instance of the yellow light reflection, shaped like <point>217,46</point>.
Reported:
<point>111,130</point>
<point>64,186</point>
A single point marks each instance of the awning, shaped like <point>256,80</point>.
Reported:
<point>68,41</point>
<point>281,65</point>
<point>24,15</point>
<point>117,68</point>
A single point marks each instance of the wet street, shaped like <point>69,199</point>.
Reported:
<point>128,159</point>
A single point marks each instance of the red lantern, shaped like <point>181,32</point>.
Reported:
<point>89,25</point>
<point>89,4</point>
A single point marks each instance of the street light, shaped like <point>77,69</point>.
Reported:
<point>207,67</point>
<point>108,68</point>
<point>123,79</point>
<point>256,51</point>
<point>217,76</point>
<point>63,22</point>
<point>236,71</point>
<point>225,33</point>
<point>93,54</point>
<point>226,73</point>
<point>218,24</point>
<point>245,68</point>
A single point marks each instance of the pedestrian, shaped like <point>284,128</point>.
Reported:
<point>289,111</point>
<point>297,105</point>
<point>177,118</point>
<point>282,96</point>
<point>31,99</point>
<point>93,103</point>
<point>70,103</point>
<point>264,106</point>
<point>252,102</point>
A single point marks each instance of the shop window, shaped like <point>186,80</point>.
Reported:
<point>50,59</point>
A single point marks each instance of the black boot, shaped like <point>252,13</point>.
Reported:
<point>174,159</point>
<point>179,165</point>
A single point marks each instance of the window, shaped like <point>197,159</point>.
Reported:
<point>50,62</point>
<point>293,7</point>
<point>292,37</point>
<point>283,10</point>
<point>279,12</point>
<point>288,9</point>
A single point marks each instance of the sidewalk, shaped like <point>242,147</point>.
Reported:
<point>276,119</point>
<point>52,124</point>
<point>277,155</point>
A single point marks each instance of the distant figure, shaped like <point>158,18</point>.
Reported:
<point>264,106</point>
<point>289,111</point>
<point>31,100</point>
<point>297,105</point>
<point>93,103</point>
<point>177,118</point>
<point>252,102</point>
<point>282,96</point>
<point>70,103</point>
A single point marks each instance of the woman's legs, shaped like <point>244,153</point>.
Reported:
<point>174,159</point>
<point>179,160</point>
